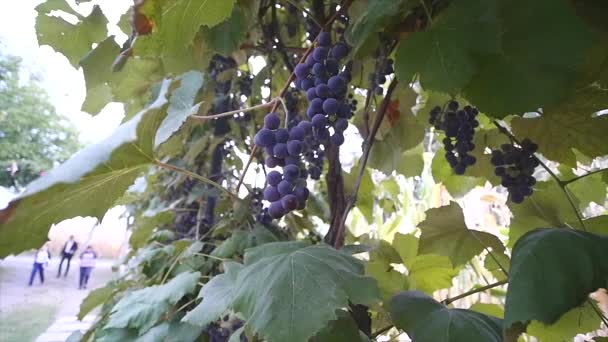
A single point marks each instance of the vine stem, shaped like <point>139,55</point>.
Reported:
<point>369,142</point>
<point>343,6</point>
<point>193,175</point>
<point>560,183</point>
<point>566,182</point>
<point>236,111</point>
<point>448,300</point>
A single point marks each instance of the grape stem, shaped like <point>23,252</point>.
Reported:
<point>343,7</point>
<point>560,183</point>
<point>236,111</point>
<point>193,175</point>
<point>369,141</point>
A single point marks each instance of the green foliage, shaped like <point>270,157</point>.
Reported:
<point>573,322</point>
<point>424,319</point>
<point>280,283</point>
<point>444,232</point>
<point>542,267</point>
<point>32,134</point>
<point>141,309</point>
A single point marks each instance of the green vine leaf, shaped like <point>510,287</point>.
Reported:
<point>97,69</point>
<point>342,329</point>
<point>558,268</point>
<point>141,309</point>
<point>426,320</point>
<point>379,266</point>
<point>582,319</point>
<point>457,185</point>
<point>444,55</point>
<point>146,224</point>
<point>444,232</point>
<point>72,40</point>
<point>86,185</point>
<point>489,309</point>
<point>430,272</point>
<point>281,283</point>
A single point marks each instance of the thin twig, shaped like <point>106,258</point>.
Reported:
<point>236,111</point>
<point>448,300</point>
<point>560,183</point>
<point>193,175</point>
<point>369,141</point>
<point>566,182</point>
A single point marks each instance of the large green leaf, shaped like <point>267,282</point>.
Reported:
<point>288,292</point>
<point>553,271</point>
<point>426,320</point>
<point>583,319</point>
<point>547,207</point>
<point>444,232</point>
<point>226,37</point>
<point>86,185</point>
<point>390,281</point>
<point>96,298</point>
<point>431,272</point>
<point>444,55</point>
<point>372,18</point>
<point>537,64</point>
<point>457,185</point>
<point>141,309</point>
<point>72,40</point>
<point>174,331</point>
<point>145,225</point>
<point>181,19</point>
<point>342,329</point>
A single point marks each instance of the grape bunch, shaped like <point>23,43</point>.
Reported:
<point>459,128</point>
<point>285,191</point>
<point>383,68</point>
<point>326,87</point>
<point>221,330</point>
<point>515,166</point>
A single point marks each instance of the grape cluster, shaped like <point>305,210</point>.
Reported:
<point>285,191</point>
<point>221,330</point>
<point>459,128</point>
<point>515,165</point>
<point>326,86</point>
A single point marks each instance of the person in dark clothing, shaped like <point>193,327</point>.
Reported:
<point>87,262</point>
<point>68,251</point>
<point>41,260</point>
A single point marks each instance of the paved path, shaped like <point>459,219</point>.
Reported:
<point>64,326</point>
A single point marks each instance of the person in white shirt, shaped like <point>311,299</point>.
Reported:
<point>68,251</point>
<point>87,262</point>
<point>41,260</point>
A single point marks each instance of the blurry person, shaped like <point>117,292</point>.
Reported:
<point>87,262</point>
<point>41,260</point>
<point>69,248</point>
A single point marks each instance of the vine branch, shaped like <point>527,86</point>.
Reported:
<point>566,182</point>
<point>448,300</point>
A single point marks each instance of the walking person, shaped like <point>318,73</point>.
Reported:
<point>41,260</point>
<point>87,262</point>
<point>68,251</point>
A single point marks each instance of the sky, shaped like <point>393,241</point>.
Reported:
<point>64,84</point>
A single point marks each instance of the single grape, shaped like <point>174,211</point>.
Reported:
<point>322,90</point>
<point>264,137</point>
<point>330,105</point>
<point>271,194</point>
<point>281,135</point>
<point>341,125</point>
<point>339,51</point>
<point>271,162</point>
<point>276,210</point>
<point>324,39</point>
<point>302,70</point>
<point>289,202</point>
<point>295,147</point>
<point>301,193</point>
<point>291,172</point>
<point>319,69</point>
<point>319,121</point>
<point>297,133</point>
<point>320,53</point>
<point>337,138</point>
<point>280,150</point>
<point>336,84</point>
<point>311,94</point>
<point>272,121</point>
<point>306,126</point>
<point>274,177</point>
<point>285,187</point>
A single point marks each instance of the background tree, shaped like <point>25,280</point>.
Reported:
<point>32,134</point>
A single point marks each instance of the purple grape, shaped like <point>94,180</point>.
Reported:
<point>332,66</point>
<point>297,133</point>
<point>271,162</point>
<point>307,83</point>
<point>320,53</point>
<point>322,90</point>
<point>271,194</point>
<point>322,134</point>
<point>337,138</point>
<point>302,70</point>
<point>274,178</point>
<point>275,210</point>
<point>324,39</point>
<point>330,105</point>
<point>310,61</point>
<point>316,106</point>
<point>341,125</point>
<point>272,121</point>
<point>264,137</point>
<point>306,126</point>
<point>339,51</point>
<point>319,121</point>
<point>319,69</point>
<point>301,193</point>
<point>280,150</point>
<point>336,84</point>
<point>295,148</point>
<point>289,202</point>
<point>344,110</point>
<point>291,172</point>
<point>311,94</point>
<point>315,172</point>
<point>281,135</point>
<point>291,160</point>
<point>285,187</point>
